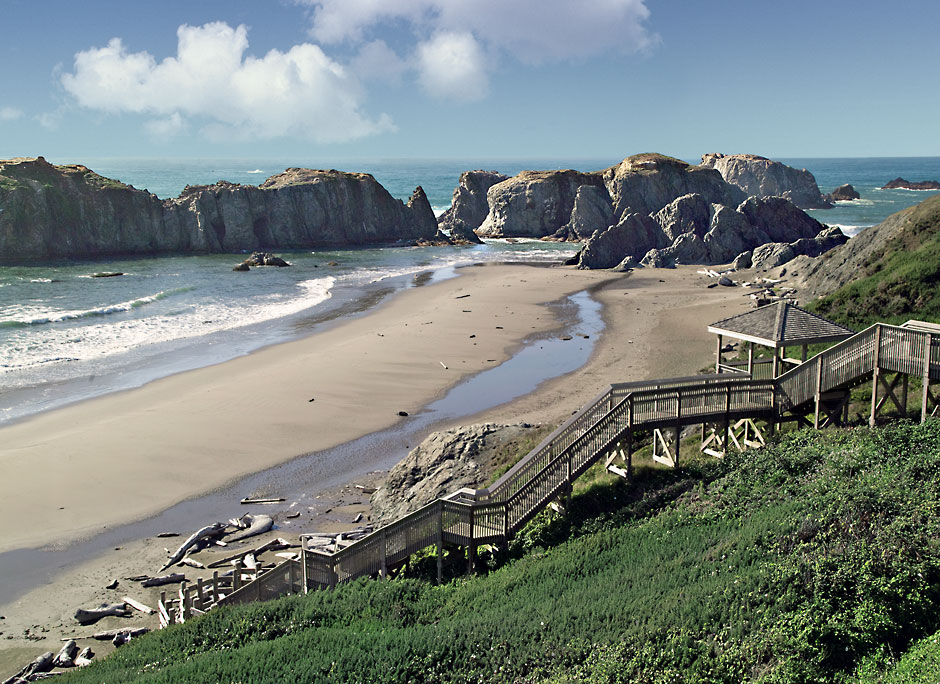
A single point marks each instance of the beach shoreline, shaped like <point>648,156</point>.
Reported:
<point>645,314</point>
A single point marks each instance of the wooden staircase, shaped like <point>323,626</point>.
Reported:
<point>725,405</point>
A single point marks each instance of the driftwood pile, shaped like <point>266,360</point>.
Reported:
<point>769,290</point>
<point>42,667</point>
<point>333,542</point>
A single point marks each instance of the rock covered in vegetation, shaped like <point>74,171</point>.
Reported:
<point>69,211</point>
<point>443,463</point>
<point>469,207</point>
<point>761,177</point>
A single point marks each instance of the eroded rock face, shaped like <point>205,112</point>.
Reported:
<point>443,463</point>
<point>645,183</point>
<point>779,218</point>
<point>468,207</point>
<point>533,204</point>
<point>591,212</point>
<point>633,236</point>
<point>762,177</point>
<point>67,211</point>
<point>730,233</point>
<point>686,214</point>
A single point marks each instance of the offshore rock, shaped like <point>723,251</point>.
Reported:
<point>534,204</point>
<point>901,184</point>
<point>843,193</point>
<point>645,183</point>
<point>443,463</point>
<point>67,211</point>
<point>762,177</point>
<point>468,207</point>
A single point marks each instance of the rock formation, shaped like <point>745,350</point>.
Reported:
<point>762,177</point>
<point>51,211</point>
<point>842,193</point>
<point>534,204</point>
<point>901,184</point>
<point>443,463</point>
<point>468,207</point>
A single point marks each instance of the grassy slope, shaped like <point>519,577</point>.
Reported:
<point>901,283</point>
<point>804,561</point>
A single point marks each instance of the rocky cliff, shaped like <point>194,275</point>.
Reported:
<point>51,211</point>
<point>762,177</point>
<point>468,208</point>
<point>913,232</point>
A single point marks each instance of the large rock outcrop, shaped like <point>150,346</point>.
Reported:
<point>468,207</point>
<point>902,184</point>
<point>443,463</point>
<point>51,211</point>
<point>690,230</point>
<point>762,177</point>
<point>534,204</point>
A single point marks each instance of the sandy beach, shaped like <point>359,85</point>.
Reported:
<point>130,455</point>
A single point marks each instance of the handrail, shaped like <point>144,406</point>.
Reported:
<point>498,511</point>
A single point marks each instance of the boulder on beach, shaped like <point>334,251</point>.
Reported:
<point>443,463</point>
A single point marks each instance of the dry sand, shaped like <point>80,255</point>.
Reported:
<point>132,454</point>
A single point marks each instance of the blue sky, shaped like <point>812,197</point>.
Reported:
<point>468,79</point>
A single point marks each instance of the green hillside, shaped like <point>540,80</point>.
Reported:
<point>816,559</point>
<point>899,282</point>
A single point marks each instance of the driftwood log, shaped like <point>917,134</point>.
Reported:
<point>172,578</point>
<point>66,655</point>
<point>214,530</point>
<point>111,633</point>
<point>250,525</point>
<point>84,657</point>
<point>273,545</point>
<point>87,616</point>
<point>42,663</point>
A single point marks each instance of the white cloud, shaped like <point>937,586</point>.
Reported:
<point>451,66</point>
<point>300,92</point>
<point>10,113</point>
<point>531,31</point>
<point>376,61</point>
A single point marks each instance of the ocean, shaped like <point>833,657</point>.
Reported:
<point>67,336</point>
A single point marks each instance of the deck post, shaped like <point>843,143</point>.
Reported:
<point>875,375</point>
<point>471,547</point>
<point>164,608</point>
<point>215,586</point>
<point>819,369</point>
<point>905,388</point>
<point>926,378</point>
<point>237,575</point>
<point>776,368</point>
<point>630,454</point>
<point>333,577</point>
<point>199,590</point>
<point>803,351</point>
<point>440,544</point>
<point>750,359</point>
<point>304,576</point>
<point>718,356</point>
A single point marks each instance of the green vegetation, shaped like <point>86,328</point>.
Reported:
<point>816,559</point>
<point>901,283</point>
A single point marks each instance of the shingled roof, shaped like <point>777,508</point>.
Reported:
<point>781,325</point>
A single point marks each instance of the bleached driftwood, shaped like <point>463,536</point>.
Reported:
<point>66,655</point>
<point>42,663</point>
<point>214,530</point>
<point>137,605</point>
<point>192,563</point>
<point>87,616</point>
<point>273,545</point>
<point>111,633</point>
<point>84,657</point>
<point>272,500</point>
<point>172,578</point>
<point>250,525</point>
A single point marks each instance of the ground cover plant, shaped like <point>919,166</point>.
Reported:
<point>816,559</point>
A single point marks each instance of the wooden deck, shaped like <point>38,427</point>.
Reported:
<point>607,428</point>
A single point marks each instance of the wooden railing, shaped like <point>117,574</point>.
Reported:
<point>471,517</point>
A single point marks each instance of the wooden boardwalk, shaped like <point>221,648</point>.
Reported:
<point>725,405</point>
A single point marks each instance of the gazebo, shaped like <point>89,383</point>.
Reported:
<point>777,326</point>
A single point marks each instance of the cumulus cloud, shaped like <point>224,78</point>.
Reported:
<point>376,61</point>
<point>450,33</point>
<point>451,66</point>
<point>300,92</point>
<point>10,113</point>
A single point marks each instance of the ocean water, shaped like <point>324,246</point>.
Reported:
<point>66,336</point>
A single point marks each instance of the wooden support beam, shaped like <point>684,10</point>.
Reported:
<point>718,356</point>
<point>876,372</point>
<point>925,377</point>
